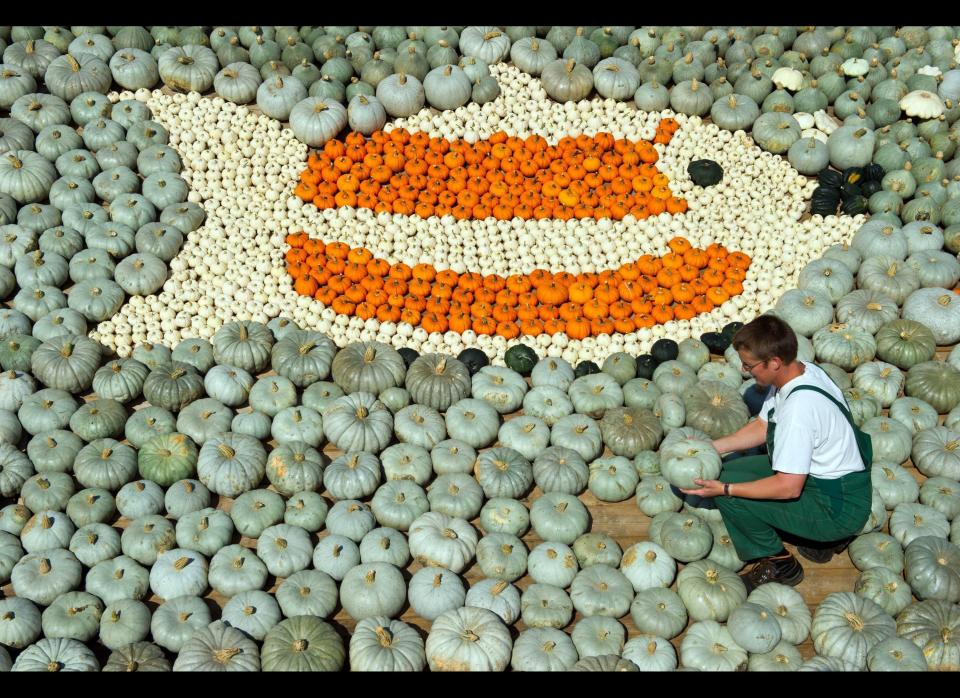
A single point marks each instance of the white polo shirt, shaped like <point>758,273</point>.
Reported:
<point>812,435</point>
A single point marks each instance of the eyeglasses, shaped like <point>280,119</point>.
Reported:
<point>748,368</point>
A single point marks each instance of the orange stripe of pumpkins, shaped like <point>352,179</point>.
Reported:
<point>501,177</point>
<point>652,290</point>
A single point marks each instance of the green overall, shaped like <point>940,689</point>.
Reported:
<point>826,510</point>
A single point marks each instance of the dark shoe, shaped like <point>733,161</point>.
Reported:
<point>784,570</point>
<point>823,554</point>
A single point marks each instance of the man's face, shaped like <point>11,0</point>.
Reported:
<point>761,371</point>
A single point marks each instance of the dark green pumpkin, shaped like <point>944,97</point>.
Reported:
<point>873,172</point>
<point>705,173</point>
<point>852,176</point>
<point>522,359</point>
<point>822,208</point>
<point>870,187</point>
<point>409,355</point>
<point>855,205</point>
<point>715,342</point>
<point>16,351</point>
<point>585,368</point>
<point>646,365</point>
<point>730,329</point>
<point>825,196</point>
<point>473,359</point>
<point>830,179</point>
<point>665,350</point>
<point>849,189</point>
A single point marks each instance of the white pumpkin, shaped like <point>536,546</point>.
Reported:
<point>922,104</point>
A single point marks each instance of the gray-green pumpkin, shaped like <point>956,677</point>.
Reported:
<point>231,463</point>
<point>369,367</point>
<point>245,344</point>
<point>173,386</point>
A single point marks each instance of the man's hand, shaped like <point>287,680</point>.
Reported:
<point>708,488</point>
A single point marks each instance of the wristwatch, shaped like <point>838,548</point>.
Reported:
<point>726,488</point>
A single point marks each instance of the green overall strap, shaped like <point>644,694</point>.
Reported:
<point>835,401</point>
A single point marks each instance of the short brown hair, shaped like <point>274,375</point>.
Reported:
<point>767,337</point>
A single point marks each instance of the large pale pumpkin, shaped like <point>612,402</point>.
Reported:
<point>936,452</point>
<point>685,459</point>
<point>844,345</point>
<point>469,639</point>
<point>438,381</point>
<point>715,408</point>
<point>934,627</point>
<point>303,643</point>
<point>847,626</point>
<point>932,568</point>
<point>710,591</point>
<point>629,430</point>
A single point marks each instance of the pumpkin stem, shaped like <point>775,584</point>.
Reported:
<point>181,563</point>
<point>371,577</point>
<point>53,666</point>
<point>383,636</point>
<point>469,636</point>
<point>855,621</point>
<point>44,566</point>
<point>450,533</point>
<point>226,451</point>
<point>225,655</point>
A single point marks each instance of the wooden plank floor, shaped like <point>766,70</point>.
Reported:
<point>621,520</point>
